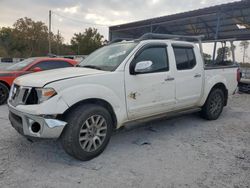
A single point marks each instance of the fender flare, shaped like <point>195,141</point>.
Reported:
<point>217,81</point>
<point>92,92</point>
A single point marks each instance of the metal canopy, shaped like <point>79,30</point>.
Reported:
<point>219,22</point>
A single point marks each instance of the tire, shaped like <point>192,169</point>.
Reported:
<point>214,105</point>
<point>83,137</point>
<point>4,93</point>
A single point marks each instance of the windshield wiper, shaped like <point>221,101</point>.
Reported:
<point>91,66</point>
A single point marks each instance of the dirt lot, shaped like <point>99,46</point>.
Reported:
<point>186,151</point>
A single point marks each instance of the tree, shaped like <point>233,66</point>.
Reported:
<point>3,52</point>
<point>86,42</point>
<point>57,43</point>
<point>29,38</point>
<point>7,42</point>
<point>244,46</point>
<point>32,35</point>
<point>223,54</point>
<point>207,58</point>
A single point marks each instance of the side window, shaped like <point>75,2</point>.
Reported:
<point>47,65</point>
<point>185,58</point>
<point>158,56</point>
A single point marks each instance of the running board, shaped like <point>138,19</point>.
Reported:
<point>164,115</point>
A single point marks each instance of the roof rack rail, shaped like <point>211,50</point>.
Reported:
<point>120,40</point>
<point>147,36</point>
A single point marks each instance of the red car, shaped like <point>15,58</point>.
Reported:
<point>27,66</point>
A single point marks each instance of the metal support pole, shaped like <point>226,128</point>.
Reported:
<point>233,51</point>
<point>223,44</point>
<point>201,51</point>
<point>215,46</point>
<point>49,31</point>
<point>216,36</point>
<point>201,48</point>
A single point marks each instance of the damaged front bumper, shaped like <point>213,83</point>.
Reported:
<point>35,125</point>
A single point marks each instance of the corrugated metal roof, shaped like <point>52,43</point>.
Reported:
<point>234,22</point>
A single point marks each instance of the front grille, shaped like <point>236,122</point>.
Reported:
<point>32,98</point>
<point>15,91</point>
<point>25,95</point>
<point>22,95</point>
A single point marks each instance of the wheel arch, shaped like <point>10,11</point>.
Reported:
<point>5,83</point>
<point>97,101</point>
<point>221,86</point>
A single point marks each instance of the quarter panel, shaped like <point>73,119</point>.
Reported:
<point>226,76</point>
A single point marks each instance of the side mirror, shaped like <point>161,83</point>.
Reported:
<point>36,69</point>
<point>143,66</point>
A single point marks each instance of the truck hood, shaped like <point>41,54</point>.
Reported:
<point>39,79</point>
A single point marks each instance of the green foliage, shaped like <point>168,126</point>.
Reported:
<point>6,40</point>
<point>244,46</point>
<point>86,42</point>
<point>30,38</point>
<point>26,38</point>
<point>207,58</point>
<point>223,54</point>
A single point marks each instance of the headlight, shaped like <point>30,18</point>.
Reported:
<point>44,94</point>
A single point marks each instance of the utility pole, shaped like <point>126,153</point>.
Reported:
<point>244,54</point>
<point>58,40</point>
<point>49,31</point>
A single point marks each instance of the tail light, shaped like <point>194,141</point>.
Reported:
<point>238,75</point>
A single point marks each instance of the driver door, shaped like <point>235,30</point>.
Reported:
<point>152,91</point>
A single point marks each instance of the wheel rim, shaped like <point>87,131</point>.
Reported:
<point>215,104</point>
<point>92,133</point>
<point>3,94</point>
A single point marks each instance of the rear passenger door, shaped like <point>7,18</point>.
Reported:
<point>188,76</point>
<point>51,64</point>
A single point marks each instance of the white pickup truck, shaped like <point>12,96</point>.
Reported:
<point>118,83</point>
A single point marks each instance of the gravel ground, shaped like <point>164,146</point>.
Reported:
<point>185,151</point>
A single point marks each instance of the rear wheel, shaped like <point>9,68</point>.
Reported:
<point>4,93</point>
<point>88,131</point>
<point>214,105</point>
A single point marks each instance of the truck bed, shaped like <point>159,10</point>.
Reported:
<point>219,66</point>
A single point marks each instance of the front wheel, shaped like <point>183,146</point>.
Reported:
<point>214,105</point>
<point>88,131</point>
<point>4,93</point>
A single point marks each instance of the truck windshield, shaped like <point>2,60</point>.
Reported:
<point>21,64</point>
<point>108,58</point>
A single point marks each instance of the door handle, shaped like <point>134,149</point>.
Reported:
<point>197,75</point>
<point>169,79</point>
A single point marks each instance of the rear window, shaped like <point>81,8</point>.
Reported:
<point>21,65</point>
<point>185,58</point>
<point>53,64</point>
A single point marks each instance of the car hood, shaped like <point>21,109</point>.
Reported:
<point>39,79</point>
<point>8,73</point>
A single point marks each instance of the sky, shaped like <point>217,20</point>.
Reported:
<point>72,16</point>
